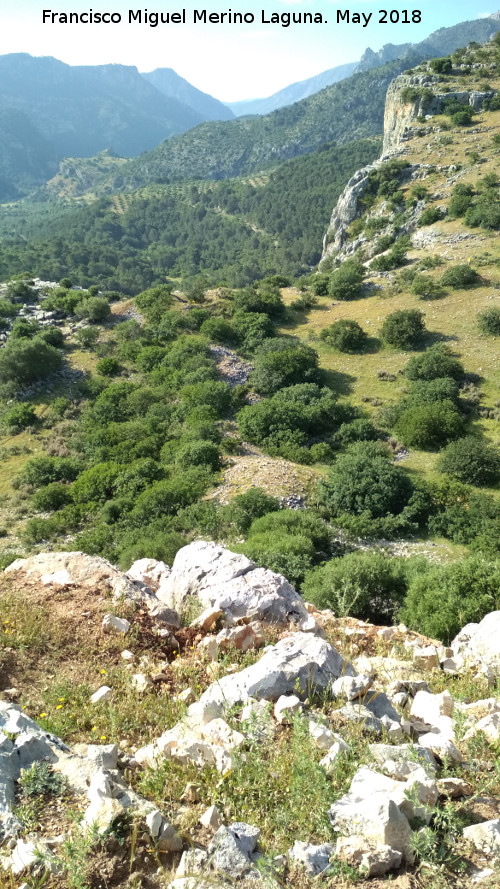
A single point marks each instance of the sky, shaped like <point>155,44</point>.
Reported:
<point>230,61</point>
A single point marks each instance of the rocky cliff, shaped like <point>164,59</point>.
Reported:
<point>410,97</point>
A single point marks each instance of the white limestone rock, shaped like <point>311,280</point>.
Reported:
<point>485,837</point>
<point>231,583</point>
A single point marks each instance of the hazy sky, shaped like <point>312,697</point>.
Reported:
<point>230,61</point>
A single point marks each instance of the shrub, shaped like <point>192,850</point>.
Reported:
<point>357,430</point>
<point>165,497</point>
<point>214,394</point>
<point>459,276</point>
<point>403,329</point>
<point>437,361</point>
<point>20,416</point>
<point>430,215</point>
<point>154,302</point>
<point>41,471</point>
<point>367,585</point>
<point>489,322</point>
<point>441,66</point>
<point>425,287</point>
<point>86,337</point>
<point>365,481</point>
<point>93,308</point>
<point>25,361</point>
<point>471,460</point>
<point>280,363</point>
<point>461,118</point>
<point>218,330</point>
<point>428,426</point>
<point>460,201</point>
<point>252,504</point>
<point>198,453</point>
<point>51,335</point>
<point>108,367</point>
<point>468,590</point>
<point>345,283</point>
<point>262,299</point>
<point>252,328</point>
<point>288,541</point>
<point>51,497</point>
<point>345,335</point>
<point>484,212</point>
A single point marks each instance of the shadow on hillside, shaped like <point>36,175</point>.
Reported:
<point>337,381</point>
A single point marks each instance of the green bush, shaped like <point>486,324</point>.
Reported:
<point>93,308</point>
<point>484,212</point>
<point>108,367</point>
<point>218,330</point>
<point>51,497</point>
<point>441,66</point>
<point>357,430</point>
<point>283,362</point>
<point>252,504</point>
<point>403,329</point>
<point>345,283</point>
<point>461,119</point>
<point>471,460</point>
<point>460,200</point>
<point>425,287</point>
<point>367,585</point>
<point>345,335</point>
<point>198,453</point>
<point>52,335</point>
<point>459,276</point>
<point>41,471</point>
<point>364,480</point>
<point>154,302</point>
<point>288,541</point>
<point>428,426</point>
<point>213,394</point>
<point>24,361</point>
<point>430,215</point>
<point>437,361</point>
<point>20,416</point>
<point>489,322</point>
<point>447,597</point>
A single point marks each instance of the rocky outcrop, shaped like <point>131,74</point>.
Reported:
<point>229,582</point>
<point>346,210</point>
<point>401,111</point>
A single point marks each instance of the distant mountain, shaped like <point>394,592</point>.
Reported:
<point>171,84</point>
<point>439,43</point>
<point>83,109</point>
<point>351,109</point>
<point>293,93</point>
<point>26,158</point>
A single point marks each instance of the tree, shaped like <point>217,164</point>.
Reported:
<point>489,322</point>
<point>345,335</point>
<point>471,460</point>
<point>93,308</point>
<point>403,329</point>
<point>345,283</point>
<point>428,426</point>
<point>25,361</point>
<point>437,361</point>
<point>280,363</point>
<point>365,481</point>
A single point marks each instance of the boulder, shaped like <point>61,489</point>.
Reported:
<point>480,643</point>
<point>314,859</point>
<point>229,582</point>
<point>372,860</point>
<point>298,664</point>
<point>149,572</point>
<point>485,837</point>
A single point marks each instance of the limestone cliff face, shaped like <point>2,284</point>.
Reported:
<point>400,112</point>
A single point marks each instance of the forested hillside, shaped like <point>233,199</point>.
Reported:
<point>233,231</point>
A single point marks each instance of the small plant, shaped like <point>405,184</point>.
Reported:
<point>41,780</point>
<point>345,335</point>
